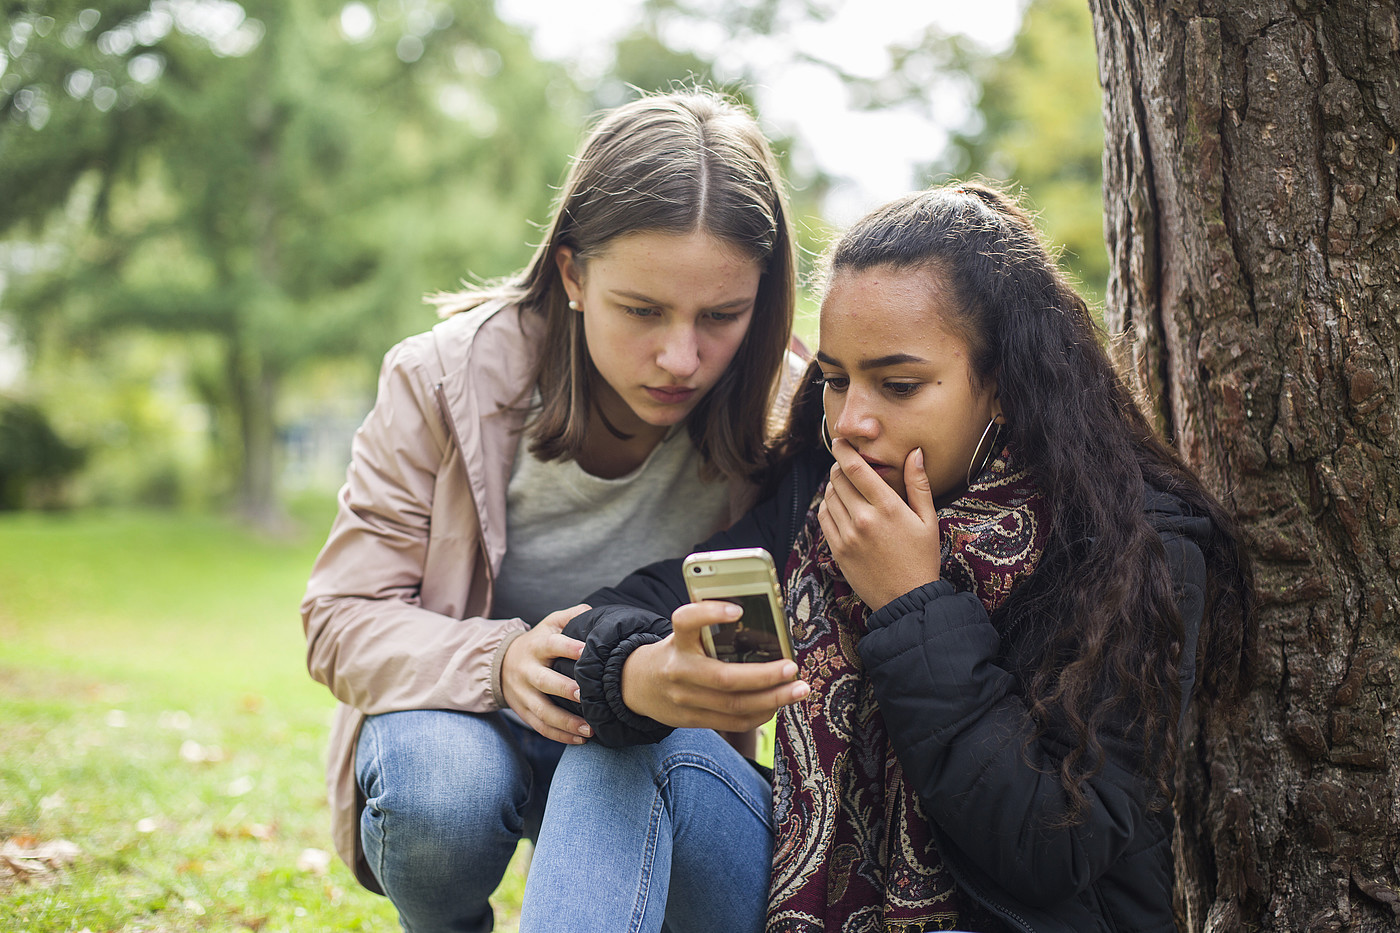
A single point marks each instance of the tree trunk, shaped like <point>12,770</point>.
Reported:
<point>1254,229</point>
<point>254,392</point>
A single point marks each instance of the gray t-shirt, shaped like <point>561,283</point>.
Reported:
<point>569,532</point>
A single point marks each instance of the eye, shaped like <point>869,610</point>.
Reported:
<point>834,381</point>
<point>902,389</point>
<point>640,312</point>
<point>724,317</point>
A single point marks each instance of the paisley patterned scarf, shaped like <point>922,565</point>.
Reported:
<point>853,850</point>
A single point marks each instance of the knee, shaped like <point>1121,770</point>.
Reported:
<point>440,788</point>
<point>610,771</point>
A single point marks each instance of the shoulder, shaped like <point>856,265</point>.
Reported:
<point>494,327</point>
<point>1184,535</point>
<point>493,343</point>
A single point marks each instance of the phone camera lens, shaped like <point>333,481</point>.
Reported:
<point>695,570</point>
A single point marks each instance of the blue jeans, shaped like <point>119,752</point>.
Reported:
<point>679,832</point>
<point>449,795</point>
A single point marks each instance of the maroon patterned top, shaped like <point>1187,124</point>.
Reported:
<point>853,850</point>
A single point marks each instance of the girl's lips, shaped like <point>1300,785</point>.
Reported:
<point>670,395</point>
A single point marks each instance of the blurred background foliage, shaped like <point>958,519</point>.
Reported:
<point>215,217</point>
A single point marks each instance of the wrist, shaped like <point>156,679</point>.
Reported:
<point>637,679</point>
<point>498,667</point>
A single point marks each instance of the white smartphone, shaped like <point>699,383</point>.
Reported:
<point>744,576</point>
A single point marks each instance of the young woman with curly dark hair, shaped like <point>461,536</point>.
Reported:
<point>1003,591</point>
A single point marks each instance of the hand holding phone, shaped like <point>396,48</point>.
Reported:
<point>673,681</point>
<point>747,578</point>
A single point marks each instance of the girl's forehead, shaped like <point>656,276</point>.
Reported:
<point>885,305</point>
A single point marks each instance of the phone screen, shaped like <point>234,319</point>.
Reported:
<point>754,638</point>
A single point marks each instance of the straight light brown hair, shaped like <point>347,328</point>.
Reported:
<point>673,163</point>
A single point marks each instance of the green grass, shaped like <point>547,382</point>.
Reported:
<point>155,711</point>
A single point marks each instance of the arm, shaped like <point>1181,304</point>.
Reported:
<point>369,637</point>
<point>669,681</point>
<point>960,727</point>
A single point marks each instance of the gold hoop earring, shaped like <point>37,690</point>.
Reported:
<point>826,436</point>
<point>977,453</point>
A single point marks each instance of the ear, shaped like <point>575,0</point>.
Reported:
<point>997,414</point>
<point>570,272</point>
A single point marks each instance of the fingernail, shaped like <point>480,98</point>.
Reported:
<point>577,740</point>
<point>732,611</point>
<point>789,669</point>
<point>919,457</point>
<point>584,730</point>
<point>800,691</point>
<point>576,693</point>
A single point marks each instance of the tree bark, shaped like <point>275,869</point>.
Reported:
<point>1250,177</point>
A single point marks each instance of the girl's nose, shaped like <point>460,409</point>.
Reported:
<point>855,419</point>
<point>680,352</point>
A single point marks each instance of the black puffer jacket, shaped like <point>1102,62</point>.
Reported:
<point>950,691</point>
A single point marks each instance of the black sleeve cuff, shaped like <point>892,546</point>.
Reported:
<point>912,601</point>
<point>610,634</point>
<point>635,729</point>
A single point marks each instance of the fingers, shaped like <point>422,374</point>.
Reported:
<point>554,723</point>
<point>562,617</point>
<point>852,471</point>
<point>561,646</point>
<point>688,620</point>
<point>916,487</point>
<point>704,707</point>
<point>528,680</point>
<point>533,703</point>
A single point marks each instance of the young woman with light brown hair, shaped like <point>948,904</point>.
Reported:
<point>605,407</point>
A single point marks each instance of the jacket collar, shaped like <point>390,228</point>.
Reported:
<point>487,359</point>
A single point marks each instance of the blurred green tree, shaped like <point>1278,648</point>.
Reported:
<point>1039,124</point>
<point>284,177</point>
<point>34,460</point>
<point>1034,120</point>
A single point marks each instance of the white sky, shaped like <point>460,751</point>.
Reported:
<point>874,153</point>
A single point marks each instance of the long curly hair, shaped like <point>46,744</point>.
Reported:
<point>1100,616</point>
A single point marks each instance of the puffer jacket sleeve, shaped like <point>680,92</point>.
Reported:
<point>368,636</point>
<point>963,733</point>
<point>638,610</point>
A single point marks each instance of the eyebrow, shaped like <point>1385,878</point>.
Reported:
<point>879,362</point>
<point>639,298</point>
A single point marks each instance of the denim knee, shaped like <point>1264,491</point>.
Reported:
<point>445,799</point>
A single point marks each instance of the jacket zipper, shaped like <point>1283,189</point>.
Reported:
<point>965,885</point>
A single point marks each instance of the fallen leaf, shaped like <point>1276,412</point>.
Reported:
<point>57,852</point>
<point>260,831</point>
<point>24,860</point>
<point>239,786</point>
<point>193,752</point>
<point>316,861</point>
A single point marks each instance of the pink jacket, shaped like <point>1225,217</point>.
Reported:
<point>397,609</point>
